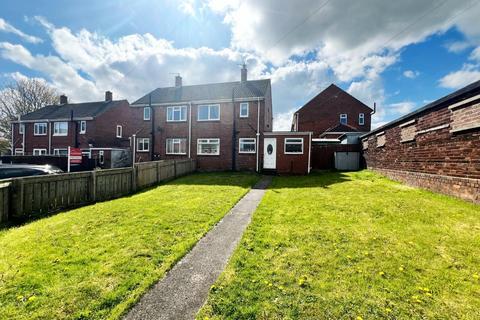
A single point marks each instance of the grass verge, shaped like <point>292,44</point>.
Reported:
<point>353,246</point>
<point>95,262</point>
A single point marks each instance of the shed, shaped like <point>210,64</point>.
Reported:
<point>286,152</point>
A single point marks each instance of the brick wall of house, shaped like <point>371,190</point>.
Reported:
<point>323,112</point>
<point>431,150</point>
<point>222,129</point>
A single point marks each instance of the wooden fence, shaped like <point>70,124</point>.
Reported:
<point>21,197</point>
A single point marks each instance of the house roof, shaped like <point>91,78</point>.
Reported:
<point>341,128</point>
<point>325,98</point>
<point>80,110</point>
<point>461,94</point>
<point>207,92</point>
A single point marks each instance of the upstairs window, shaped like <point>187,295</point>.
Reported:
<point>119,131</point>
<point>40,129</point>
<point>146,113</point>
<point>21,128</point>
<point>83,127</point>
<point>293,146</point>
<point>244,110</point>
<point>209,112</point>
<point>178,113</point>
<point>343,118</point>
<point>361,119</point>
<point>60,128</point>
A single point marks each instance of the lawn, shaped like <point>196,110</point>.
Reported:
<point>94,262</point>
<point>353,246</point>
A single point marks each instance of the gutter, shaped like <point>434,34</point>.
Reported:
<point>182,103</point>
<point>258,135</point>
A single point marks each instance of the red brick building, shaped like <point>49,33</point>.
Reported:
<point>221,124</point>
<point>435,147</point>
<point>95,127</point>
<point>329,108</point>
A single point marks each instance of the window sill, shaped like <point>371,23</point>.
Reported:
<point>143,151</point>
<point>245,152</point>
<point>39,135</point>
<point>174,121</point>
<point>208,154</point>
<point>474,126</point>
<point>176,154</point>
<point>60,135</point>
<point>294,153</point>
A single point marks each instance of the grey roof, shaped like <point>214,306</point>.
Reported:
<point>206,92</point>
<point>80,110</point>
<point>461,94</point>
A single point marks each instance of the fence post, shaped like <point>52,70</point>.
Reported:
<point>174,168</point>
<point>158,171</point>
<point>93,186</point>
<point>17,197</point>
<point>134,178</point>
<point>5,201</point>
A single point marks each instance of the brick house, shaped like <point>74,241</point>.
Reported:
<point>95,127</point>
<point>221,125</point>
<point>435,147</point>
<point>328,109</point>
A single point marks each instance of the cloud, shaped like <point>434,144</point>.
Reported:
<point>283,121</point>
<point>457,46</point>
<point>6,27</point>
<point>457,79</point>
<point>411,74</point>
<point>402,108</point>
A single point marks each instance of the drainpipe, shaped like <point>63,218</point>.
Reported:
<point>23,140</point>
<point>234,133</point>
<point>190,130</point>
<point>152,116</point>
<point>258,132</point>
<point>134,149</point>
<point>309,150</point>
<point>12,148</point>
<point>49,137</point>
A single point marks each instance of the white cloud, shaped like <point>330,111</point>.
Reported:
<point>283,121</point>
<point>6,27</point>
<point>457,46</point>
<point>457,79</point>
<point>402,108</point>
<point>411,74</point>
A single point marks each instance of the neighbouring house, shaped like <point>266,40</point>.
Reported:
<point>435,147</point>
<point>102,130</point>
<point>221,125</point>
<point>328,109</point>
<point>336,120</point>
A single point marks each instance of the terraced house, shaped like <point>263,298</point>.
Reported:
<point>220,124</point>
<point>99,128</point>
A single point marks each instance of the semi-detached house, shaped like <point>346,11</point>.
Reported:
<point>221,125</point>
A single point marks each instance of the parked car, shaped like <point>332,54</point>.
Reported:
<point>24,170</point>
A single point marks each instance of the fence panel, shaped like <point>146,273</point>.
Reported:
<point>21,197</point>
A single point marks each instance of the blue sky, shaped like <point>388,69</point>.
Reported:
<point>400,55</point>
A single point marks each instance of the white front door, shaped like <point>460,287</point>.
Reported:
<point>270,153</point>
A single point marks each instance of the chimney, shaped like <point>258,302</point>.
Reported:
<point>178,81</point>
<point>63,99</point>
<point>244,73</point>
<point>108,96</point>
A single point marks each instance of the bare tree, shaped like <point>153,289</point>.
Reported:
<point>21,97</point>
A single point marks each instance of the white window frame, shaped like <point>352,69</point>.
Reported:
<point>242,141</point>
<point>40,151</point>
<point>21,128</point>
<point>83,127</point>
<point>147,113</point>
<point>285,142</point>
<point>119,131</point>
<point>56,152</point>
<point>19,152</point>
<point>209,106</point>
<point>101,157</point>
<point>248,111</point>
<point>343,116</point>
<point>36,126</point>
<point>174,109</point>
<point>56,129</point>
<point>203,141</point>
<point>142,141</point>
<point>361,119</point>
<point>175,141</point>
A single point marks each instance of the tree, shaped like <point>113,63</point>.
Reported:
<point>21,97</point>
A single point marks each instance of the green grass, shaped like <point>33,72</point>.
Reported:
<point>353,246</point>
<point>94,262</point>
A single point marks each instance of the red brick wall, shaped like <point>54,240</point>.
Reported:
<point>222,129</point>
<point>291,163</point>
<point>323,112</point>
<point>435,150</point>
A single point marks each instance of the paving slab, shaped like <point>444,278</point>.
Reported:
<point>183,291</point>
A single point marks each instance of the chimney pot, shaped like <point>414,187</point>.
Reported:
<point>108,96</point>
<point>63,99</point>
<point>244,73</point>
<point>178,81</point>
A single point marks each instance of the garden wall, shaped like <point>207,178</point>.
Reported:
<point>437,147</point>
<point>22,197</point>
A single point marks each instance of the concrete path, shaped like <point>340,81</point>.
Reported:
<point>185,288</point>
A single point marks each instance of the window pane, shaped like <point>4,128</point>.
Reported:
<point>297,148</point>
<point>169,114</point>
<point>214,112</point>
<point>203,113</point>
